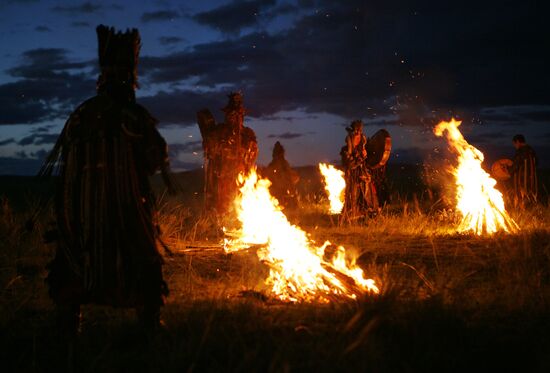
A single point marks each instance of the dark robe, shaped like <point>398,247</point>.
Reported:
<point>283,178</point>
<point>230,149</point>
<point>104,205</point>
<point>524,177</point>
<point>360,193</point>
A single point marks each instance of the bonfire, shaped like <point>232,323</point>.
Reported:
<point>479,202</point>
<point>299,270</point>
<point>335,185</point>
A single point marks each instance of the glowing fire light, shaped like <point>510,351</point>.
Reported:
<point>481,205</point>
<point>334,185</point>
<point>298,270</point>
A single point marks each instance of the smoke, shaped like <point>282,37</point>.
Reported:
<point>438,178</point>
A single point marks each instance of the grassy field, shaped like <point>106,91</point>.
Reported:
<point>449,302</point>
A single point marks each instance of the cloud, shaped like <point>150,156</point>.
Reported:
<point>354,59</point>
<point>19,2</point>
<point>319,64</point>
<point>278,72</point>
<point>487,137</point>
<point>159,16</point>
<point>26,140</point>
<point>44,63</point>
<point>42,129</point>
<point>538,116</point>
<point>188,147</point>
<point>42,28</point>
<point>7,141</point>
<point>80,24</point>
<point>237,15</point>
<point>180,165</point>
<point>170,40</point>
<point>49,86</point>
<point>181,106</point>
<point>289,135</point>
<point>234,16</point>
<point>84,8</point>
<point>365,60</point>
<point>23,163</point>
<point>38,139</point>
<point>40,154</point>
<point>16,109</point>
<point>516,115</point>
<point>287,118</point>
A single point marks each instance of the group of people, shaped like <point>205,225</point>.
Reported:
<point>230,149</point>
<point>105,232</point>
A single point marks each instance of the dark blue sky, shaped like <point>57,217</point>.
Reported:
<point>306,69</point>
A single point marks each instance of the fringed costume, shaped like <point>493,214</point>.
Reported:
<point>230,148</point>
<point>360,193</point>
<point>524,177</point>
<point>104,205</point>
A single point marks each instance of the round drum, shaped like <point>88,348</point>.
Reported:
<point>499,169</point>
<point>378,149</point>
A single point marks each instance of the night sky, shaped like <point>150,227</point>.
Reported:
<point>306,68</point>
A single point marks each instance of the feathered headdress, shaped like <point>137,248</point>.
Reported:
<point>235,102</point>
<point>118,55</point>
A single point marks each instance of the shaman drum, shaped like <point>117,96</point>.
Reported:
<point>499,169</point>
<point>378,149</point>
<point>205,119</point>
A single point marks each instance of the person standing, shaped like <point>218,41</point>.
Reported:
<point>524,173</point>
<point>360,193</point>
<point>230,149</point>
<point>283,178</point>
<point>105,209</point>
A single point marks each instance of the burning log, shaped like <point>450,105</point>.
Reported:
<point>298,268</point>
<point>348,281</point>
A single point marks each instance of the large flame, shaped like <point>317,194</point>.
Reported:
<point>334,185</point>
<point>481,205</point>
<point>298,270</point>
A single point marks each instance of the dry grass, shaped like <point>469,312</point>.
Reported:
<point>449,301</point>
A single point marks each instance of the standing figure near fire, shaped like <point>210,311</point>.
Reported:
<point>283,178</point>
<point>230,148</point>
<point>360,194</point>
<point>104,205</point>
<point>524,173</point>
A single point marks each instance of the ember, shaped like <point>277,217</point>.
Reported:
<point>335,184</point>
<point>299,270</point>
<point>481,205</point>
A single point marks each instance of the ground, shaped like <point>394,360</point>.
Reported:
<point>449,302</point>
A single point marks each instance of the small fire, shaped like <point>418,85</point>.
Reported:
<point>334,185</point>
<point>481,205</point>
<point>298,270</point>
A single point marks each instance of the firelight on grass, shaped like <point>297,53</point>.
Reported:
<point>299,270</point>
